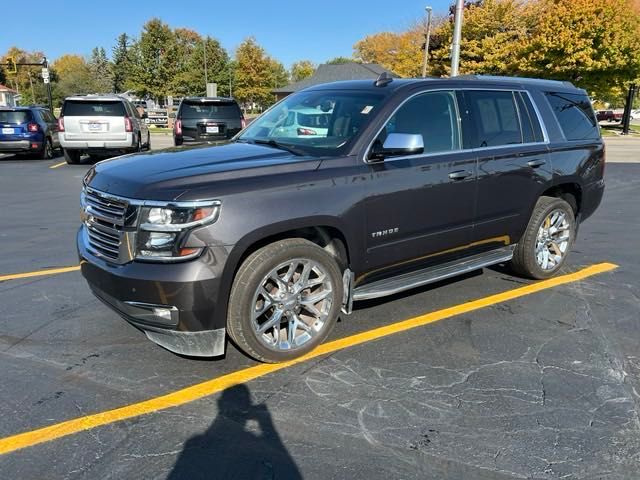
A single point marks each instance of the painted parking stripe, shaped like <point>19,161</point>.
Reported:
<point>39,273</point>
<point>58,165</point>
<point>200,390</point>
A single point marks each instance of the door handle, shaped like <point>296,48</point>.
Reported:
<point>536,163</point>
<point>460,175</point>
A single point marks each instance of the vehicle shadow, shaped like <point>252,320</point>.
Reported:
<point>241,443</point>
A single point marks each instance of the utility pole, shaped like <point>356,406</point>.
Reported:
<point>206,79</point>
<point>425,62</point>
<point>457,36</point>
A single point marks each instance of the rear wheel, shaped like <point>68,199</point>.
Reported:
<point>284,301</point>
<point>47,150</point>
<point>72,157</point>
<point>544,247</point>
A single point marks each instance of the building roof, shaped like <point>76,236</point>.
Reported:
<point>4,88</point>
<point>327,73</point>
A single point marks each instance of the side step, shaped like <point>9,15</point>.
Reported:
<point>407,281</point>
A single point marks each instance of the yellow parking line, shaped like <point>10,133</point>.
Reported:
<point>200,390</point>
<point>38,273</point>
<point>58,165</point>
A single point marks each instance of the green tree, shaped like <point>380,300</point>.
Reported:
<point>121,64</point>
<point>154,60</point>
<point>254,76</point>
<point>28,79</point>
<point>302,69</point>
<point>340,60</point>
<point>100,69</point>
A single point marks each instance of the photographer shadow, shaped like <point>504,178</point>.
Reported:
<point>242,443</point>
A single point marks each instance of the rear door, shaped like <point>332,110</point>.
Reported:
<point>52,126</point>
<point>209,120</point>
<point>513,163</point>
<point>87,120</point>
<point>421,206</point>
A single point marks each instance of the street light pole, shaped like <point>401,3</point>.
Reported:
<point>457,36</point>
<point>425,62</point>
<point>206,79</point>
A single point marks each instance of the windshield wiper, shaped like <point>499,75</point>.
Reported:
<point>274,144</point>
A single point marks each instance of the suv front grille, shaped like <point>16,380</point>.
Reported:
<point>105,218</point>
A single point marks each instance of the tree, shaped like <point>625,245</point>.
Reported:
<point>3,78</point>
<point>340,60</point>
<point>27,81</point>
<point>154,60</point>
<point>73,77</point>
<point>100,69</point>
<point>121,64</point>
<point>399,52</point>
<point>302,69</point>
<point>254,76</point>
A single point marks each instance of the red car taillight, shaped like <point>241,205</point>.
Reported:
<point>32,127</point>
<point>177,127</point>
<point>61,124</point>
<point>306,131</point>
<point>243,122</point>
<point>128,126</point>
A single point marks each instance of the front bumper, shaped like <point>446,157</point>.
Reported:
<point>172,303</point>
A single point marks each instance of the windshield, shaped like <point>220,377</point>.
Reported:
<point>13,116</point>
<point>209,110</point>
<point>316,122</point>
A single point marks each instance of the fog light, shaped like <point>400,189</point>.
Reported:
<point>162,314</point>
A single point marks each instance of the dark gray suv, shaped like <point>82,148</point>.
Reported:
<point>402,183</point>
<point>207,119</point>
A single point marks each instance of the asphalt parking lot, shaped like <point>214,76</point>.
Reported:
<point>544,385</point>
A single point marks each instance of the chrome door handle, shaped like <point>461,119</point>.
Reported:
<point>460,175</point>
<point>536,163</point>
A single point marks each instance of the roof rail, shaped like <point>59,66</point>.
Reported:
<point>505,78</point>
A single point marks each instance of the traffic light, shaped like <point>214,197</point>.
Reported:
<point>11,65</point>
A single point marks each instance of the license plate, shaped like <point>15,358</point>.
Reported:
<point>212,129</point>
<point>8,131</point>
<point>95,126</point>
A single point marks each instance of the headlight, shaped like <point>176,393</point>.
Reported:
<point>163,229</point>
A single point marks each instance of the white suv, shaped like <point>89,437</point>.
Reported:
<point>102,126</point>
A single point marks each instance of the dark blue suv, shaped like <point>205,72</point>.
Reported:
<point>28,130</point>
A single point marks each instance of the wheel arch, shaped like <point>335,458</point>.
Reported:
<point>571,192</point>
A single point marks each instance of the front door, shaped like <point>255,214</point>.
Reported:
<point>421,206</point>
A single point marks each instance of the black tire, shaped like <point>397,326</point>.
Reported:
<point>72,157</point>
<point>249,277</point>
<point>524,257</point>
<point>47,150</point>
<point>147,146</point>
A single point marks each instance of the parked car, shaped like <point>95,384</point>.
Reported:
<point>102,126</point>
<point>304,122</point>
<point>267,238</point>
<point>28,130</point>
<point>207,119</point>
<point>635,114</point>
<point>609,116</point>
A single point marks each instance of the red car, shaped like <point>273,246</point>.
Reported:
<point>608,116</point>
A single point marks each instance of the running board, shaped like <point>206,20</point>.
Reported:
<point>407,281</point>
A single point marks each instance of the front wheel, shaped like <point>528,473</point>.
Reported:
<point>544,247</point>
<point>284,301</point>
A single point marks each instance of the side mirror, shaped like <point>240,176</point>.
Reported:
<point>172,115</point>
<point>397,144</point>
<point>144,115</point>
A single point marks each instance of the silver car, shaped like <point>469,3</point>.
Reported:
<point>102,126</point>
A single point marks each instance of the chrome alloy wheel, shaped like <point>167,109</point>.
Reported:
<point>553,239</point>
<point>292,304</point>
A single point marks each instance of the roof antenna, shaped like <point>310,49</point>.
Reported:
<point>383,80</point>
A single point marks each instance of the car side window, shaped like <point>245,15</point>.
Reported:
<point>432,115</point>
<point>575,116</point>
<point>495,117</point>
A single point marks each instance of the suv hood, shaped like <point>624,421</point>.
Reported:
<point>170,174</point>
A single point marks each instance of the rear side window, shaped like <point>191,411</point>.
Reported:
<point>495,116</point>
<point>575,115</point>
<point>210,110</point>
<point>81,108</point>
<point>12,116</point>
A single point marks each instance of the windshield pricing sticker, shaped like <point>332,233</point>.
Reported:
<point>366,109</point>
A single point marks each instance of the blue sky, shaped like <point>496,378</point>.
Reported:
<point>289,30</point>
